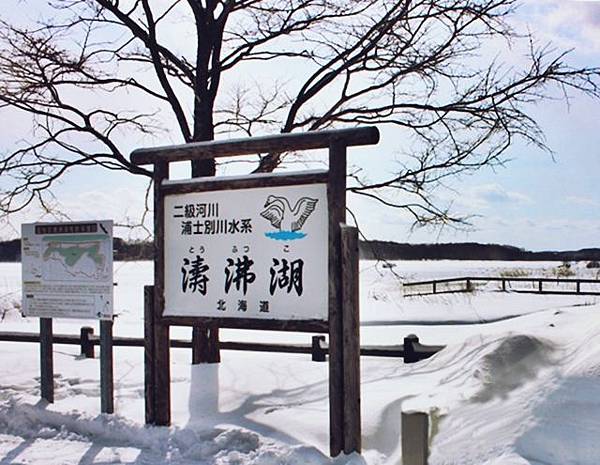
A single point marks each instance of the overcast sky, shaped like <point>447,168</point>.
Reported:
<point>535,201</point>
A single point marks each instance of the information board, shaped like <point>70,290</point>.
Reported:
<point>67,269</point>
<point>259,253</point>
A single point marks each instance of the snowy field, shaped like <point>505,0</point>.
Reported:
<point>510,391</point>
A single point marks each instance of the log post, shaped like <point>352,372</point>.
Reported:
<point>351,339</point>
<point>85,341</point>
<point>317,352</point>
<point>161,355</point>
<point>415,438</point>
<point>149,375</point>
<point>410,354</point>
<point>205,344</point>
<point>336,198</point>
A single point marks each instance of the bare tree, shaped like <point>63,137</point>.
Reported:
<point>433,69</point>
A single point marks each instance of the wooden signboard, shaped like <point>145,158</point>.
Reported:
<point>264,251</point>
<point>247,253</point>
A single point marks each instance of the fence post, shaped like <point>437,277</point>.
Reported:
<point>540,285</point>
<point>106,367</point>
<point>578,287</point>
<point>46,360</point>
<point>504,285</point>
<point>434,287</point>
<point>415,438</point>
<point>205,344</point>
<point>317,352</point>
<point>85,341</point>
<point>410,355</point>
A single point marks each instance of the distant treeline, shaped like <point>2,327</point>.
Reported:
<point>10,251</point>
<point>373,250</point>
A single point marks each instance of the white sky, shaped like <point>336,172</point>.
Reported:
<point>533,202</point>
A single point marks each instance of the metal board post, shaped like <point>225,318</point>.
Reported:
<point>106,367</point>
<point>46,360</point>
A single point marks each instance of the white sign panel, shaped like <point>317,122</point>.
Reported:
<point>67,269</point>
<point>258,253</point>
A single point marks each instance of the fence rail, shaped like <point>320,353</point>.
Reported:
<point>411,350</point>
<point>543,285</point>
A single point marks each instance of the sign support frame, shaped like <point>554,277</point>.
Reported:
<point>343,306</point>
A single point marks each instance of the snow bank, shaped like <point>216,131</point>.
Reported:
<point>505,391</point>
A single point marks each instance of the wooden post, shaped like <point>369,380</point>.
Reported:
<point>434,287</point>
<point>578,287</point>
<point>336,198</point>
<point>540,285</point>
<point>199,344</point>
<point>149,376</point>
<point>415,438</point>
<point>85,341</point>
<point>205,344</point>
<point>318,354</point>
<point>504,284</point>
<point>351,339</point>
<point>162,375</point>
<point>106,367</point>
<point>161,359</point>
<point>410,355</point>
<point>46,360</point>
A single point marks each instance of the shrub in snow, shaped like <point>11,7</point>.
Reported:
<point>564,270</point>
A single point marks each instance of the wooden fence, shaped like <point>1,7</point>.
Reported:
<point>411,350</point>
<point>559,286</point>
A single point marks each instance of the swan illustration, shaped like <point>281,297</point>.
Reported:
<point>285,218</point>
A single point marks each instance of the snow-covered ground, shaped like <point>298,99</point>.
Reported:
<point>514,391</point>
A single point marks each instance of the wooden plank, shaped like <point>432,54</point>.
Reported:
<point>207,184</point>
<point>305,326</point>
<point>107,404</point>
<point>351,339</point>
<point>46,360</point>
<point>336,198</point>
<point>149,385</point>
<point>161,359</point>
<point>248,146</point>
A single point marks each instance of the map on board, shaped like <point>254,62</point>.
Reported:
<point>67,270</point>
<point>76,257</point>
